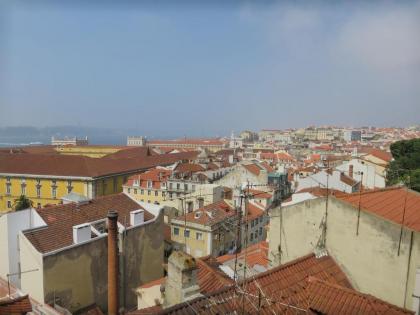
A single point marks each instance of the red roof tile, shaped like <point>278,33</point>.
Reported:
<point>255,254</point>
<point>283,288</point>
<point>389,203</point>
<point>60,219</point>
<point>329,298</point>
<point>210,214</point>
<point>253,168</point>
<point>380,154</point>
<point>18,305</point>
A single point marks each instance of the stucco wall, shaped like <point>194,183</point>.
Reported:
<point>370,259</point>
<point>77,277</point>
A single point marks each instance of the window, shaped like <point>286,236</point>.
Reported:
<point>260,231</point>
<point>148,201</point>
<point>136,182</point>
<point>156,203</point>
<point>38,191</point>
<point>129,190</point>
<point>185,187</point>
<point>170,185</point>
<point>186,233</point>
<point>252,223</point>
<point>176,231</point>
<point>8,179</point>
<point>193,187</point>
<point>54,192</point>
<point>142,191</point>
<point>261,219</point>
<point>199,236</point>
<point>170,195</point>
<point>115,184</point>
<point>8,186</point>
<point>200,202</point>
<point>156,193</point>
<point>23,189</point>
<point>135,191</point>
<point>9,204</point>
<point>149,184</point>
<point>252,237</point>
<point>69,186</point>
<point>178,186</point>
<point>149,192</point>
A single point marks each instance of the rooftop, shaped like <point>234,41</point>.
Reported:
<point>60,219</point>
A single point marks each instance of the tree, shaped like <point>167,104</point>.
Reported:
<point>22,203</point>
<point>405,168</point>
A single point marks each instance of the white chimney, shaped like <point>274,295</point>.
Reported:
<point>136,217</point>
<point>81,233</point>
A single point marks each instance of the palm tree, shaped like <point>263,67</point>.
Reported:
<point>22,203</point>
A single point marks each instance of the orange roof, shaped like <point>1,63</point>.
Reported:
<point>255,254</point>
<point>389,203</point>
<point>330,298</point>
<point>259,194</point>
<point>380,154</point>
<point>18,305</point>
<point>253,168</point>
<point>210,214</point>
<point>202,142</point>
<point>189,168</point>
<point>156,176</point>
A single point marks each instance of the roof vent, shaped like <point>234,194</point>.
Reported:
<point>197,214</point>
<point>136,217</point>
<point>81,233</point>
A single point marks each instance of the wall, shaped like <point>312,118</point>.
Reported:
<point>77,277</point>
<point>4,246</point>
<point>31,282</point>
<point>370,259</point>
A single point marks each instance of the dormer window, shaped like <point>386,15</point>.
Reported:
<point>149,184</point>
<point>136,182</point>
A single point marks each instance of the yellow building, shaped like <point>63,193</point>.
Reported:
<point>206,230</point>
<point>46,178</point>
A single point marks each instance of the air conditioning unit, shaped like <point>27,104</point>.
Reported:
<point>81,233</point>
<point>136,217</point>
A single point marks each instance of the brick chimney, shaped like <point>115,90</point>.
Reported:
<point>351,171</point>
<point>181,283</point>
<point>113,263</point>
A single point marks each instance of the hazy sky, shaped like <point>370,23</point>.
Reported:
<point>210,69</point>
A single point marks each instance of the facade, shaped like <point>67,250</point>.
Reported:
<point>46,178</point>
<point>379,255</point>
<point>370,179</point>
<point>333,179</point>
<point>352,135</point>
<point>69,141</point>
<point>136,141</point>
<point>248,172</point>
<point>211,230</point>
<point>212,145</point>
<point>64,247</point>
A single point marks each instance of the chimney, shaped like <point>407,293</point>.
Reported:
<point>351,171</point>
<point>181,283</point>
<point>112,263</point>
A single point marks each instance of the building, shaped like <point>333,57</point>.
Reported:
<point>375,235</point>
<point>212,145</point>
<point>136,141</point>
<point>253,173</point>
<point>60,251</point>
<point>212,229</point>
<point>69,141</point>
<point>332,179</point>
<point>308,285</point>
<point>46,178</point>
<point>352,135</point>
<point>365,172</point>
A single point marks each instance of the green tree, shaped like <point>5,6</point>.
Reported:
<point>22,203</point>
<point>405,168</point>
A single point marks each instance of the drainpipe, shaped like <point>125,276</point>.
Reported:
<point>112,263</point>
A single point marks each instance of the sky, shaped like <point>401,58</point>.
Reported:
<point>209,68</point>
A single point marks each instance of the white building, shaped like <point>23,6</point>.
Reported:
<point>370,178</point>
<point>333,179</point>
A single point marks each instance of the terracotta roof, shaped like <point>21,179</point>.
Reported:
<point>147,311</point>
<point>283,286</point>
<point>380,154</point>
<point>348,180</point>
<point>259,194</point>
<point>389,203</point>
<point>155,175</point>
<point>189,168</point>
<point>330,298</point>
<point>60,219</point>
<point>253,168</point>
<point>255,254</point>
<point>82,166</point>
<point>267,167</point>
<point>18,305</point>
<point>210,214</point>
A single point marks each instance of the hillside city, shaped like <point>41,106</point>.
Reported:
<point>315,220</point>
